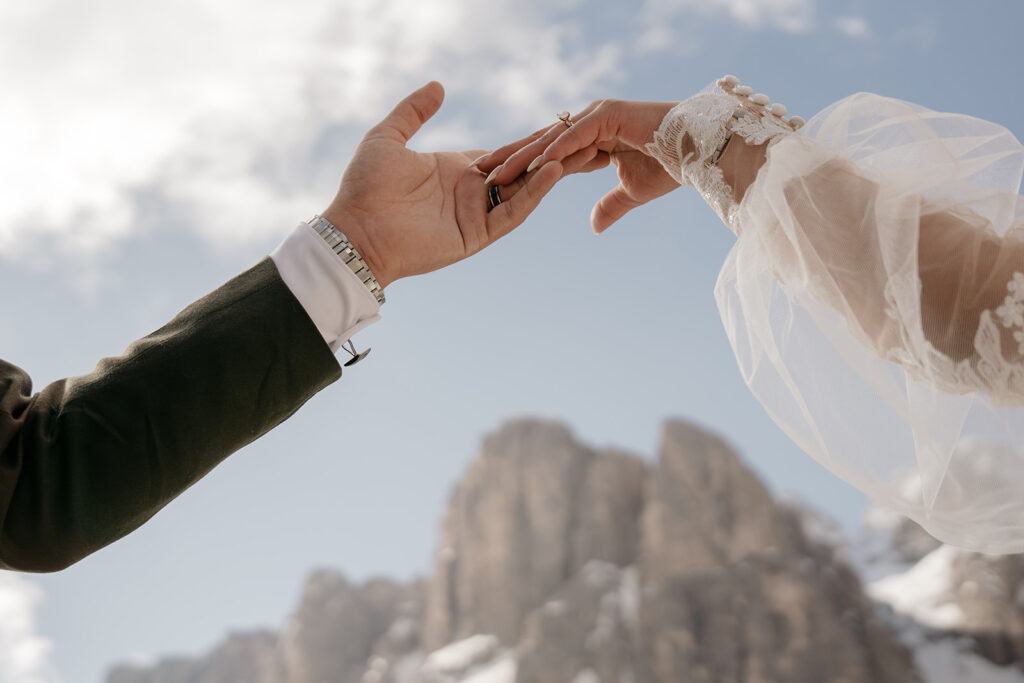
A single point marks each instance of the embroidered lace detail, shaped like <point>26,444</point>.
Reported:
<point>705,119</point>
<point>709,119</point>
<point>993,371</point>
<point>1011,313</point>
<point>758,130</point>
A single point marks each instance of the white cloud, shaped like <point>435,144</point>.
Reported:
<point>219,107</point>
<point>24,654</point>
<point>237,115</point>
<point>853,27</point>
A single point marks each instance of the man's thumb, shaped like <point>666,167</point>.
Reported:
<point>411,113</point>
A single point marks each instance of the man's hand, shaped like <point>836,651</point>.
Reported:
<point>408,213</point>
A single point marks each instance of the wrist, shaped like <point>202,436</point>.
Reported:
<point>343,248</point>
<point>359,231</point>
<point>740,162</point>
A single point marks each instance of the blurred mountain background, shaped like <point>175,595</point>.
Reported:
<point>560,563</point>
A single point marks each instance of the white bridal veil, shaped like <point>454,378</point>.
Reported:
<point>875,304</point>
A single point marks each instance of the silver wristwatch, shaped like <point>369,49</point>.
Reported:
<point>340,245</point>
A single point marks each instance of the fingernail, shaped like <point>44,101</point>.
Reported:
<point>476,162</point>
<point>533,164</point>
<point>494,174</point>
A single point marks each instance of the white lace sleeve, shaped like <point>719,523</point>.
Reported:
<point>708,120</point>
<point>875,304</point>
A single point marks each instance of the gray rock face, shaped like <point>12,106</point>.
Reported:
<point>767,620</point>
<point>990,591</point>
<point>706,510</point>
<point>590,624</point>
<point>249,657</point>
<point>686,571</point>
<point>335,634</point>
<point>533,508</point>
<point>559,563</point>
<point>338,626</point>
<point>734,591</point>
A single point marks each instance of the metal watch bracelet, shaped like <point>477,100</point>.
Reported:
<point>340,245</point>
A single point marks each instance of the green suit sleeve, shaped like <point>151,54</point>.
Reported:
<point>89,459</point>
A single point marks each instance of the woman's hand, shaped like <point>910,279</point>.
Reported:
<point>616,129</point>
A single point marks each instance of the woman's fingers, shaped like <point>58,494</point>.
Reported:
<point>612,124</point>
<point>513,210</point>
<point>580,162</point>
<point>584,161</point>
<point>518,162</point>
<point>611,208</point>
<point>492,160</point>
<point>515,165</point>
<point>588,130</point>
<point>592,129</point>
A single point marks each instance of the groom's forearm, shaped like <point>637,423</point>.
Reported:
<point>90,458</point>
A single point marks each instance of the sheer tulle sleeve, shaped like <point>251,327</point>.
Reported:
<point>875,303</point>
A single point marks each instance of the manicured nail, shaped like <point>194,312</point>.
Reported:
<point>534,164</point>
<point>476,162</point>
<point>494,174</point>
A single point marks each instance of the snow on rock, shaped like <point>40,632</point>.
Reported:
<point>406,668</point>
<point>476,659</point>
<point>503,670</point>
<point>629,595</point>
<point>586,676</point>
<point>925,592</point>
<point>461,655</point>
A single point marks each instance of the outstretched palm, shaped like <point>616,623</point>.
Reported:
<point>410,213</point>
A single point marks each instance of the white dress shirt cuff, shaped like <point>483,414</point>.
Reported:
<point>333,297</point>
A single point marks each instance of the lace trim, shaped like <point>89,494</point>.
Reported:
<point>757,130</point>
<point>709,119</point>
<point>1011,313</point>
<point>990,371</point>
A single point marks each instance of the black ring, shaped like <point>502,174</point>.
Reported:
<point>493,197</point>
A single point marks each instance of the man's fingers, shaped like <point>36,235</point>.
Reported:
<point>513,211</point>
<point>611,208</point>
<point>411,113</point>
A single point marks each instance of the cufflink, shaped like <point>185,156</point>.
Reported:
<point>357,356</point>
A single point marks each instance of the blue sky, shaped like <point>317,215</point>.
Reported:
<point>153,151</point>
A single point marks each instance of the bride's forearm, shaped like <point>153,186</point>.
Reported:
<point>963,265</point>
<point>740,163</point>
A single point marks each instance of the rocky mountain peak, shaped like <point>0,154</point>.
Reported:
<point>534,506</point>
<point>562,563</point>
